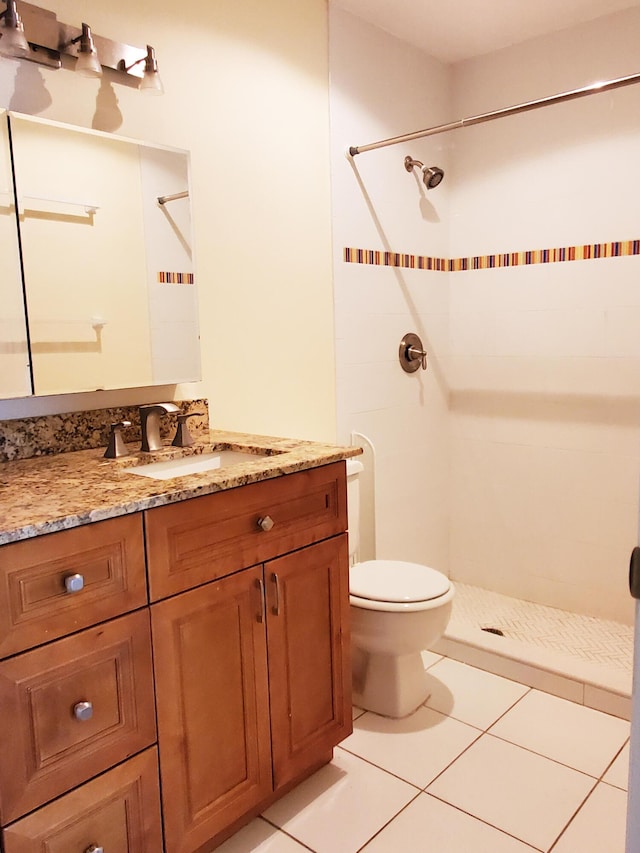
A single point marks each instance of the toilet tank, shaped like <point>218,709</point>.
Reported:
<point>354,469</point>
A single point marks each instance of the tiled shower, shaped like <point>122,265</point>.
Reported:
<point>513,462</point>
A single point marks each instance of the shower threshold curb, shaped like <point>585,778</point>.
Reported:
<point>578,681</point>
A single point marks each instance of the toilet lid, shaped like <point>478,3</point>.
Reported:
<point>393,580</point>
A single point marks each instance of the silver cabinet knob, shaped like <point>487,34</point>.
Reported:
<point>83,711</point>
<point>94,849</point>
<point>266,523</point>
<point>74,583</point>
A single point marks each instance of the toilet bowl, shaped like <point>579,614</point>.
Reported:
<point>398,609</point>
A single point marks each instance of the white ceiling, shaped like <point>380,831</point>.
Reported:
<point>452,30</point>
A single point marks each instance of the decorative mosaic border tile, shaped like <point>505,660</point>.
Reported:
<point>176,278</point>
<point>586,252</point>
<point>395,259</point>
<point>46,435</point>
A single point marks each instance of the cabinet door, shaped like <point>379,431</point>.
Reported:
<point>119,812</point>
<point>309,662</point>
<point>212,704</point>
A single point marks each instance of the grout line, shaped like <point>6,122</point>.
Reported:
<point>288,834</point>
<point>485,822</point>
<point>541,755</point>
<point>378,767</point>
<point>511,707</point>
<point>573,816</point>
<point>444,769</point>
<point>369,840</point>
<point>611,763</point>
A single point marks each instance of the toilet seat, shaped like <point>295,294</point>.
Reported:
<point>396,585</point>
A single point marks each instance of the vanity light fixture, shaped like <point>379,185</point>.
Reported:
<point>33,33</point>
<point>13,41</point>
<point>150,82</point>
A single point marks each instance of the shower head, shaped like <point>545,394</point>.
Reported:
<point>431,175</point>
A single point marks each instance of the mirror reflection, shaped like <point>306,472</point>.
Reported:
<point>105,226</point>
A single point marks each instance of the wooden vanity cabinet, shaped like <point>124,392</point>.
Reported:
<point>242,656</point>
<point>252,670</point>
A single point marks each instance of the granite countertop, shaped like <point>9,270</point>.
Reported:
<point>47,494</point>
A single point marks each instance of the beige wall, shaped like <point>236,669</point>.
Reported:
<point>246,91</point>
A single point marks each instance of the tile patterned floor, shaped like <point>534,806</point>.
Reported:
<point>486,765</point>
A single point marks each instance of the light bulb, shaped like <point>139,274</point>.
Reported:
<point>88,64</point>
<point>13,41</point>
<point>151,83</point>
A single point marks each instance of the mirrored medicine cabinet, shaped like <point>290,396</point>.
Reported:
<point>96,261</point>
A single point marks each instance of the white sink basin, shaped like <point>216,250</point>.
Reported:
<point>194,464</point>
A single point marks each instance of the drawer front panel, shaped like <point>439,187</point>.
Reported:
<point>77,707</point>
<point>202,539</point>
<point>63,582</point>
<point>120,811</point>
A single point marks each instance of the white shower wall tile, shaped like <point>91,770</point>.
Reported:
<point>551,421</point>
<point>538,286</point>
<point>574,555</point>
<point>378,386</point>
<point>621,331</point>
<point>373,338</point>
<point>389,290</point>
<point>600,600</point>
<point>419,484</point>
<point>421,543</point>
<point>568,378</point>
<point>561,209</point>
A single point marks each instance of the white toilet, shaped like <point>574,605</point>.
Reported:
<point>397,610</point>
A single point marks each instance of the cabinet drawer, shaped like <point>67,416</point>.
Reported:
<point>199,540</point>
<point>54,741</point>
<point>118,812</point>
<point>36,606</point>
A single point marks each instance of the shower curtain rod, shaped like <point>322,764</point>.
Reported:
<point>593,89</point>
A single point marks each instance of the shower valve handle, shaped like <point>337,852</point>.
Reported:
<point>414,354</point>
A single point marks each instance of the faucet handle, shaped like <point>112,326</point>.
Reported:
<point>116,446</point>
<point>183,437</point>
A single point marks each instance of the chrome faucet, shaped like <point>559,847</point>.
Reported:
<point>150,424</point>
